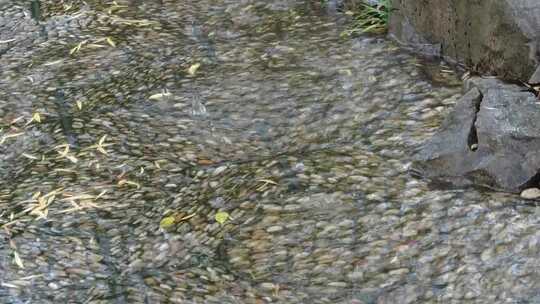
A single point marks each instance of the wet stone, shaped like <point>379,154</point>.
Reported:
<point>531,193</point>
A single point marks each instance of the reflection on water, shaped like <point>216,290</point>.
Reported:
<point>305,144</point>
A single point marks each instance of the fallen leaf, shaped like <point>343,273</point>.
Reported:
<point>77,48</point>
<point>111,42</point>
<point>102,140</point>
<point>167,222</point>
<point>95,46</point>
<point>3,139</point>
<point>268,181</point>
<point>101,194</point>
<point>127,182</point>
<point>100,146</point>
<point>30,156</point>
<point>16,120</point>
<point>7,41</point>
<point>17,260</point>
<point>9,285</point>
<point>187,217</point>
<point>159,96</point>
<point>65,154</point>
<point>193,69</point>
<point>204,162</point>
<point>36,117</point>
<point>32,277</point>
<point>53,62</point>
<point>221,217</point>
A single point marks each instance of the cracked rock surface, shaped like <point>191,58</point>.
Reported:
<point>491,139</point>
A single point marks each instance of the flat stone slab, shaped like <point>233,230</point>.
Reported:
<point>490,139</point>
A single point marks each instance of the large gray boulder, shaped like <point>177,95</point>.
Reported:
<point>497,37</point>
<point>491,139</point>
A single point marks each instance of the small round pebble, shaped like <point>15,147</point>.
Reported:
<point>531,193</point>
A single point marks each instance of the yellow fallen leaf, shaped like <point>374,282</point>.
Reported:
<point>187,217</point>
<point>65,152</point>
<point>102,139</point>
<point>193,69</point>
<point>53,62</point>
<point>30,156</point>
<point>79,104</point>
<point>101,194</point>
<point>167,222</point>
<point>77,48</point>
<point>72,158</point>
<point>74,50</point>
<point>17,260</point>
<point>3,139</point>
<point>100,146</point>
<point>222,217</point>
<point>111,42</point>
<point>159,96</point>
<point>268,181</point>
<point>32,277</point>
<point>95,46</point>
<point>7,41</point>
<point>36,117</point>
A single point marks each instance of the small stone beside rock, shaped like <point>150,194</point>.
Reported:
<point>531,193</point>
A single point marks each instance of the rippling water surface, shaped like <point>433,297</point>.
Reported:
<point>302,137</point>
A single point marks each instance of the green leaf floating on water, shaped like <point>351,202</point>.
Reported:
<point>167,222</point>
<point>222,217</point>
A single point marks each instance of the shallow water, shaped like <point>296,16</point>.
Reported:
<point>303,137</point>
